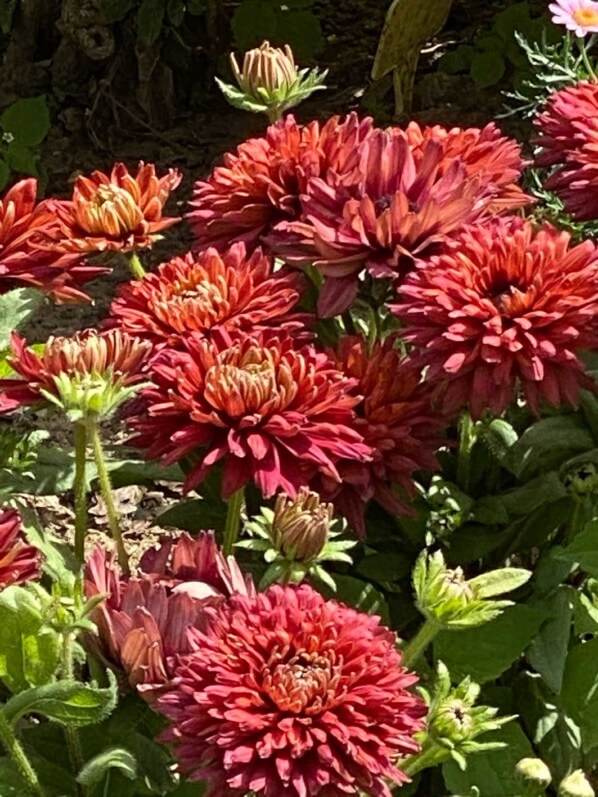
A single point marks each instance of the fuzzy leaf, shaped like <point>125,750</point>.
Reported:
<point>16,308</point>
<point>96,769</point>
<point>68,702</point>
<point>548,652</point>
<point>499,582</point>
<point>583,551</point>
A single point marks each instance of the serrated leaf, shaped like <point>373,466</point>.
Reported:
<point>16,308</point>
<point>68,702</point>
<point>28,120</point>
<point>548,652</point>
<point>486,652</point>
<point>97,768</point>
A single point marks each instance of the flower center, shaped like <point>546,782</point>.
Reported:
<point>383,203</point>
<point>193,305</point>
<point>240,391</point>
<point>305,684</point>
<point>586,16</point>
<point>111,211</point>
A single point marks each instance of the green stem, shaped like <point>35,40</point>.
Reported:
<point>106,490</point>
<point>136,266</point>
<point>584,54</point>
<point>15,750</point>
<point>233,521</point>
<point>427,757</point>
<point>274,115</point>
<point>73,741</point>
<point>80,491</point>
<point>467,438</point>
<point>424,637</point>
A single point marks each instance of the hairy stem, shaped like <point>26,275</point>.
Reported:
<point>106,490</point>
<point>467,438</point>
<point>80,490</point>
<point>73,741</point>
<point>428,756</point>
<point>15,750</point>
<point>233,521</point>
<point>416,647</point>
<point>136,266</point>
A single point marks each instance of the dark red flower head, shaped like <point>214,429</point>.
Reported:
<point>271,411</point>
<point>568,137</point>
<point>396,421</point>
<point>116,211</point>
<point>19,562</point>
<point>486,153</point>
<point>96,362</point>
<point>286,694</point>
<point>209,291</point>
<point>143,621</point>
<point>23,224</point>
<point>260,184</point>
<point>401,204</point>
<point>509,306</point>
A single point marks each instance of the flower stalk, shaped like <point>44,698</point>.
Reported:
<point>137,269</point>
<point>14,748</point>
<point>233,521</point>
<point>420,642</point>
<point>106,490</point>
<point>80,490</point>
<point>72,737</point>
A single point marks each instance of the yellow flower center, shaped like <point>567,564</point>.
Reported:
<point>112,211</point>
<point>586,16</point>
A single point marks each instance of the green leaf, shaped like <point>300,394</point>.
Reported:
<point>197,7</point>
<point>489,511</point>
<point>580,690</point>
<point>16,308</point>
<point>194,515</point>
<point>499,582</point>
<point>29,650</point>
<point>487,68</point>
<point>486,652</point>
<point>536,493</point>
<point>361,595</point>
<point>28,120</point>
<point>115,10</point>
<point>68,702</point>
<point>95,770</point>
<point>7,10</point>
<point>583,551</point>
<point>11,783</point>
<point>253,21</point>
<point>175,11</point>
<point>492,772</point>
<point>456,61</point>
<point>586,615</point>
<point>545,444</point>
<point>4,173</point>
<point>548,652</point>
<point>302,30</point>
<point>149,20</point>
<point>20,158</point>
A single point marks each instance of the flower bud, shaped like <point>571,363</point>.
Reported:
<point>265,67</point>
<point>534,776</point>
<point>582,480</point>
<point>301,525</point>
<point>576,785</point>
<point>269,81</point>
<point>453,720</point>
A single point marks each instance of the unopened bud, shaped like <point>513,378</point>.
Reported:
<point>265,67</point>
<point>453,721</point>
<point>534,776</point>
<point>301,525</point>
<point>576,785</point>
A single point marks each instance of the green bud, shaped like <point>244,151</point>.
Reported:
<point>453,721</point>
<point>446,597</point>
<point>534,776</point>
<point>576,785</point>
<point>269,81</point>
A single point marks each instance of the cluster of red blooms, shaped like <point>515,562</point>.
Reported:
<point>568,140</point>
<point>19,562</point>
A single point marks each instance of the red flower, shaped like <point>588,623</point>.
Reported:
<point>206,292</point>
<point>286,694</point>
<point>400,205</point>
<point>259,185</point>
<point>143,621</point>
<point>19,562</point>
<point>485,153</point>
<point>568,136</point>
<point>114,212</point>
<point>114,358</point>
<point>508,306</point>
<point>396,421</point>
<point>273,412</point>
<point>23,223</point>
